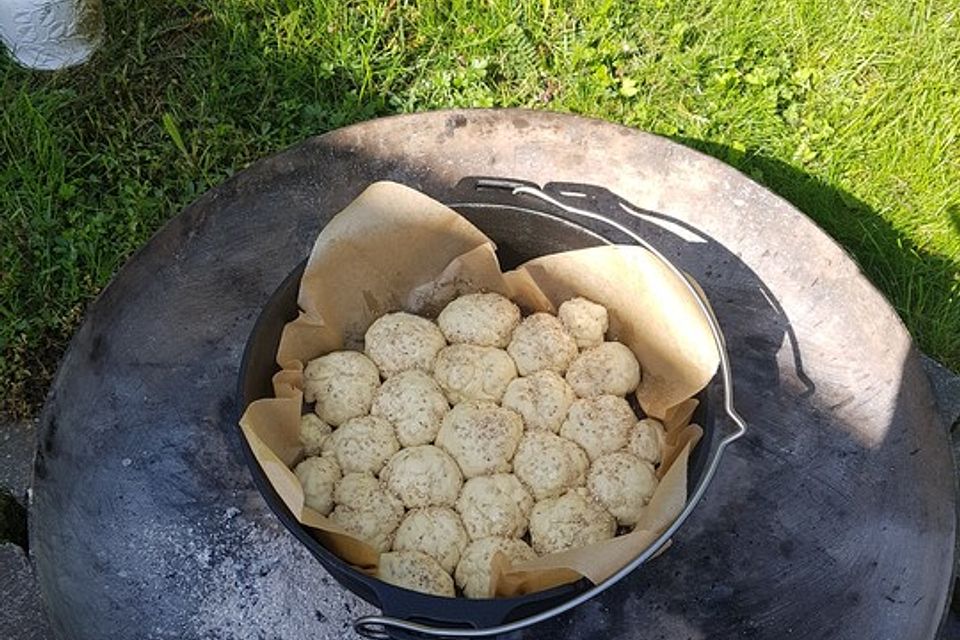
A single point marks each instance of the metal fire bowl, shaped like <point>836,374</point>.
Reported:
<point>835,517</point>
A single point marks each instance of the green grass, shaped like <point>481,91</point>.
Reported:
<point>848,109</point>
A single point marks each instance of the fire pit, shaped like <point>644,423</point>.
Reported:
<point>834,517</point>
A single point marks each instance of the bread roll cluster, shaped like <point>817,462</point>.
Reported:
<point>446,443</point>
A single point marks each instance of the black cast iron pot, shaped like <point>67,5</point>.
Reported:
<point>525,223</point>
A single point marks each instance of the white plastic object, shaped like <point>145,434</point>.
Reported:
<point>51,34</point>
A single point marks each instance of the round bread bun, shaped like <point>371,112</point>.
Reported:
<point>496,505</point>
<point>365,510</point>
<point>541,342</point>
<point>586,321</point>
<point>473,573</point>
<point>483,319</point>
<point>623,484</point>
<point>435,531</point>
<point>647,440</point>
<point>415,571</point>
<point>362,444</point>
<point>600,425</point>
<point>571,521</point>
<point>468,372</point>
<point>414,404</point>
<point>481,437</point>
<point>607,369</point>
<point>542,399</point>
<point>318,476</point>
<point>342,384</point>
<point>313,433</point>
<point>402,341</point>
<point>422,476</point>
<point>547,464</point>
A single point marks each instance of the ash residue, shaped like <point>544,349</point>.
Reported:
<point>262,583</point>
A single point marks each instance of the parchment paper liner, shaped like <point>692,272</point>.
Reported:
<point>393,249</point>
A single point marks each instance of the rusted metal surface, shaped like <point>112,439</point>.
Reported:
<point>834,518</point>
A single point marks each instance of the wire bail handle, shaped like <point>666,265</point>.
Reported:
<point>376,627</point>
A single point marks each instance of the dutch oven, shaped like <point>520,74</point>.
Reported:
<point>524,222</point>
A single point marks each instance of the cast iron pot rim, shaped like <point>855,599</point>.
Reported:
<point>482,615</point>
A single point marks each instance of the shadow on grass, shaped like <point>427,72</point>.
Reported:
<point>953,214</point>
<point>921,286</point>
